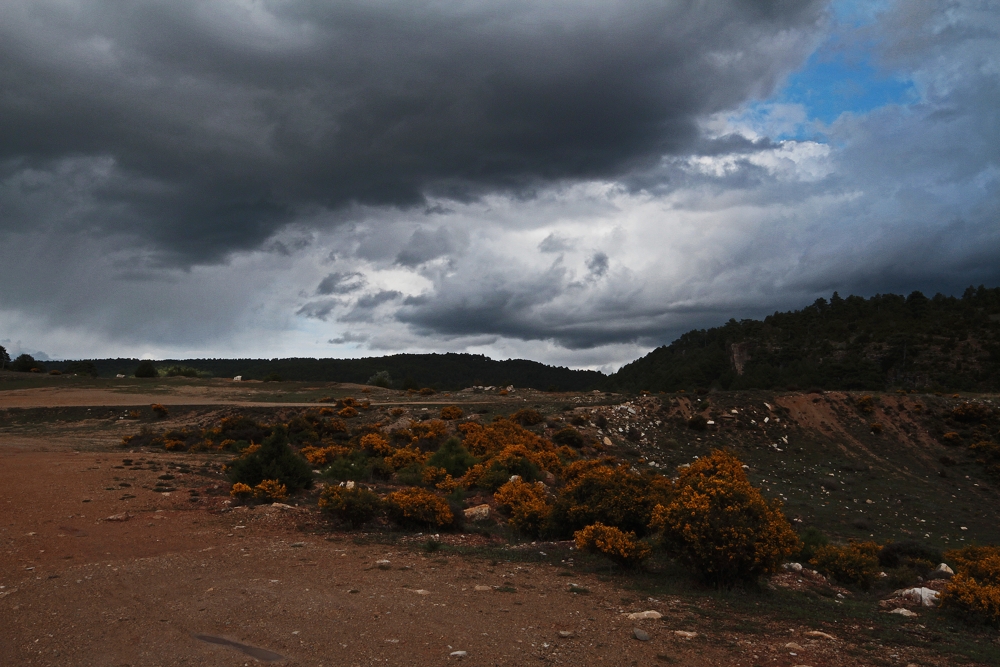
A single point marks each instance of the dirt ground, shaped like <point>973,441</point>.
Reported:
<point>98,569</point>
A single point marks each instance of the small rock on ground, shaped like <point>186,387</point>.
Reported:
<point>640,634</point>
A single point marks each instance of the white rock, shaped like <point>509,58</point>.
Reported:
<point>943,572</point>
<point>607,441</point>
<point>816,634</point>
<point>793,567</point>
<point>514,478</point>
<point>927,597</point>
<point>482,588</point>
<point>459,654</point>
<point>640,615</point>
<point>902,611</point>
<point>684,634</point>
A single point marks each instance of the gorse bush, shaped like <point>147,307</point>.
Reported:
<point>270,490</point>
<point>720,527</point>
<point>355,506</point>
<point>621,547</point>
<point>420,508</point>
<point>613,496</point>
<point>974,592</point>
<point>854,564</point>
<point>451,412</point>
<point>527,504</point>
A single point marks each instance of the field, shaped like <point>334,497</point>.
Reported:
<point>132,554</point>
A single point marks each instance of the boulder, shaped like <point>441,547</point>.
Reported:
<point>926,597</point>
<point>640,634</point>
<point>903,611</point>
<point>943,572</point>
<point>477,513</point>
<point>793,567</point>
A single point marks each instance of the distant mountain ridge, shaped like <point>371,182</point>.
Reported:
<point>888,340</point>
<point>912,342</point>
<point>441,371</point>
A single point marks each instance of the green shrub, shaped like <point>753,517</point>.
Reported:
<point>381,379</point>
<point>356,466</point>
<point>453,457</point>
<point>855,564</point>
<point>811,539</point>
<point>82,368</point>
<point>569,437</point>
<point>355,506</point>
<point>275,460</point>
<point>25,363</point>
<point>720,527</point>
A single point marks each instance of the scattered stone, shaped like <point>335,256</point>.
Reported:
<point>459,654</point>
<point>640,634</point>
<point>816,634</point>
<point>607,441</point>
<point>297,545</point>
<point>477,513</point>
<point>943,572</point>
<point>565,634</point>
<point>579,590</point>
<point>903,611</point>
<point>793,567</point>
<point>483,588</point>
<point>420,591</point>
<point>684,634</point>
<point>641,615</point>
<point>792,646</point>
<point>119,517</point>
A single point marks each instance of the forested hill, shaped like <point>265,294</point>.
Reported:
<point>912,342</point>
<point>441,371</point>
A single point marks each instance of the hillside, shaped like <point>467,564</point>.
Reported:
<point>441,371</point>
<point>913,342</point>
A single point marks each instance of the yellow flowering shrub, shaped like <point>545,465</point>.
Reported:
<point>502,433</point>
<point>270,490</point>
<point>447,484</point>
<point>432,475</point>
<point>159,410</point>
<point>240,491</point>
<point>451,412</point>
<point>527,504</point>
<point>854,564</point>
<point>612,495</point>
<point>419,507</point>
<point>428,432</point>
<point>403,457</point>
<point>347,412</point>
<point>321,456</point>
<point>376,444</point>
<point>974,592</point>
<point>621,547</point>
<point>720,527</point>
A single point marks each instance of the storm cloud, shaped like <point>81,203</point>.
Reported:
<point>200,129</point>
<point>566,181</point>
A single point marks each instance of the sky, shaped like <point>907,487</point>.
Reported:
<point>571,181</point>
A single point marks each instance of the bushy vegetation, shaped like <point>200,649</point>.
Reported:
<point>146,369</point>
<point>974,591</point>
<point>353,505</point>
<point>621,547</point>
<point>721,527</point>
<point>272,460</point>
<point>853,564</point>
<point>711,520</point>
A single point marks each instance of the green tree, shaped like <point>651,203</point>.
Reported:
<point>24,363</point>
<point>4,357</point>
<point>146,369</point>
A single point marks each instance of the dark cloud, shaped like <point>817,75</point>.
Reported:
<point>424,246</point>
<point>554,243</point>
<point>200,128</point>
<point>341,283</point>
<point>597,264</point>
